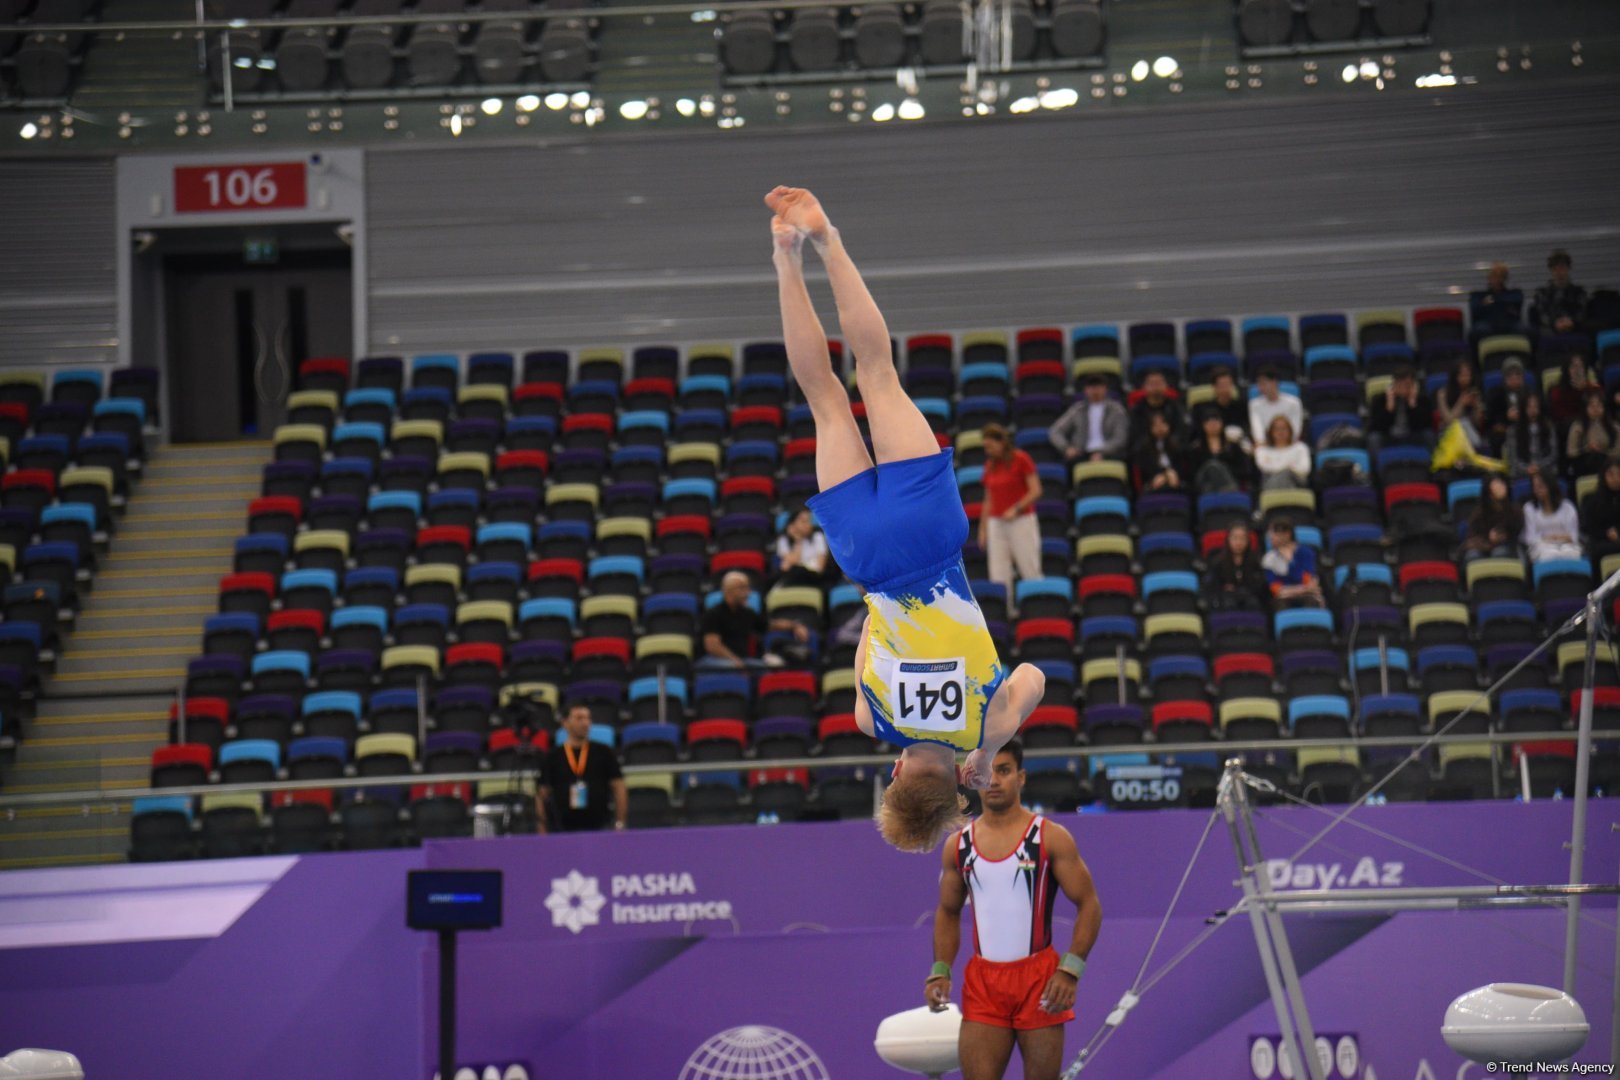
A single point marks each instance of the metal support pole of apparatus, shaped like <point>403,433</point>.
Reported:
<point>1233,802</point>
<point>225,70</point>
<point>1614,996</point>
<point>1285,952</point>
<point>1583,754</point>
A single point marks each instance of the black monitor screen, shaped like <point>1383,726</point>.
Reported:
<point>453,899</point>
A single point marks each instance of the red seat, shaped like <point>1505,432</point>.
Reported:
<point>838,724</point>
<point>529,391</point>
<point>1037,369</point>
<point>724,561</point>
<point>1049,334</point>
<point>930,341</point>
<point>1063,716</point>
<point>30,478</point>
<point>1602,697</point>
<point>462,791</point>
<point>748,485</point>
<point>1424,316</point>
<point>547,568</point>
<point>756,414</point>
<point>267,505</point>
<point>1244,664</point>
<point>14,411</point>
<point>1044,628</point>
<point>788,682</point>
<point>208,708</point>
<point>587,422</point>
<point>184,754</point>
<point>1564,748</point>
<point>1135,396</point>
<point>248,582</point>
<point>1198,712</point>
<point>1426,571</point>
<point>1107,583</point>
<point>325,365</point>
<point>797,448</point>
<point>458,535</point>
<point>314,796</point>
<point>1396,494</point>
<point>685,523</point>
<point>585,648</point>
<point>779,776</point>
<point>306,619</point>
<point>1212,541</point>
<point>664,388</point>
<point>718,731</point>
<point>475,652</point>
<point>523,459</point>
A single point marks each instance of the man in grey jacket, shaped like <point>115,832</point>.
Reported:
<point>1094,428</point>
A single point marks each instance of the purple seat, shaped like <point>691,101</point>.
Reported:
<point>293,478</point>
<point>1101,716</point>
<point>783,727</point>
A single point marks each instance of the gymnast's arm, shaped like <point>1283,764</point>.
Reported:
<point>1074,878</point>
<point>1014,700</point>
<point>947,927</point>
<point>863,711</point>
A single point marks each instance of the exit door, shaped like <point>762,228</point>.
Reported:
<point>237,334</point>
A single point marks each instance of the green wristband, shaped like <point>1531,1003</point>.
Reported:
<point>941,970</point>
<point>1072,965</point>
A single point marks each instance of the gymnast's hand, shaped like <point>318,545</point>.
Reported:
<point>1059,993</point>
<point>937,992</point>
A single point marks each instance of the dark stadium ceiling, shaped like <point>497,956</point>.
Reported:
<point>147,73</point>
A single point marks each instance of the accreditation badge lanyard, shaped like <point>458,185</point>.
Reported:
<point>578,792</point>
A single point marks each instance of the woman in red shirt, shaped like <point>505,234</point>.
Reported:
<point>1008,530</point>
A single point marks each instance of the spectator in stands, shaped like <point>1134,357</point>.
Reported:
<point>1290,568</point>
<point>1157,397</point>
<point>1403,415</point>
<point>1600,513</point>
<point>801,551</point>
<point>1234,580</point>
<point>1560,303</point>
<point>1496,309</point>
<point>732,631</point>
<point>581,785</point>
<point>1463,446</point>
<point>1214,462</point>
<point>1495,525</point>
<point>1460,393</point>
<point>1094,428</point>
<point>1593,439</point>
<point>1156,455</point>
<point>1551,528</point>
<point>1502,405</point>
<point>1532,443</point>
<point>1284,461</point>
<point>1233,408</point>
<point>1271,403</point>
<point>1566,401</point>
<point>1009,532</point>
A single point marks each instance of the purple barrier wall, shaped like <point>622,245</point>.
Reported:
<point>626,955</point>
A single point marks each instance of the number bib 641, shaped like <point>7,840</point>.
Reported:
<point>929,695</point>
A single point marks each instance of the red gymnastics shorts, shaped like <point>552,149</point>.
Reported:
<point>1009,995</point>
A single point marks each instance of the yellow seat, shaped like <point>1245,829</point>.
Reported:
<point>984,337</point>
<point>1098,470</point>
<point>1328,755</point>
<point>969,440</point>
<point>506,785</point>
<point>1516,344</point>
<point>1378,385</point>
<point>624,526</point>
<point>1250,709</point>
<point>681,453</point>
<point>657,781</point>
<point>335,539</point>
<point>314,399</point>
<point>1109,367</point>
<point>1482,569</point>
<point>1446,704</point>
<point>482,392</point>
<point>1584,486</point>
<point>1108,668</point>
<point>1390,317</point>
<point>25,378</point>
<point>8,557</point>
<point>838,679</point>
<point>597,606</point>
<point>88,476</point>
<point>466,459</point>
<point>485,611</point>
<point>289,433</point>
<point>417,429</point>
<point>1421,614</point>
<point>664,645</point>
<point>424,573</point>
<point>231,800</point>
<point>1448,752</point>
<point>411,655</point>
<point>1103,545</point>
<point>1278,498</point>
<point>794,597</point>
<point>391,742</point>
<point>600,356</point>
<point>565,493</point>
<point>1172,623</point>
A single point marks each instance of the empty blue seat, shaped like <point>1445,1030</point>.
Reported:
<point>647,688</point>
<point>1169,581</point>
<point>1318,705</point>
<point>333,701</point>
<point>361,615</point>
<point>1560,568</point>
<point>651,731</point>
<point>715,596</point>
<point>429,361</point>
<point>281,660</point>
<point>370,432</point>
<point>969,474</point>
<point>1101,506</point>
<point>690,486</point>
<point>644,418</point>
<point>1403,705</point>
<point>547,607</point>
<point>134,408</point>
<point>984,369</point>
<point>506,530</point>
<point>1058,587</point>
<point>161,804</point>
<point>616,564</point>
<point>1302,618</point>
<point>251,750</point>
<point>80,513</point>
<point>722,684</point>
<point>437,614</point>
<point>1368,659</point>
<point>232,622</point>
<point>1365,573</point>
<point>377,396</point>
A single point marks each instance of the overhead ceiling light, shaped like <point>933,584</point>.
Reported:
<point>1369,70</point>
<point>29,130</point>
<point>1349,73</point>
<point>883,113</point>
<point>579,99</point>
<point>491,106</point>
<point>1024,105</point>
<point>1428,81</point>
<point>528,102</point>
<point>1165,66</point>
<point>1063,98</point>
<point>556,102</point>
<point>703,16</point>
<point>1139,70</point>
<point>634,109</point>
<point>912,109</point>
<point>242,62</point>
<point>455,125</point>
<point>686,106</point>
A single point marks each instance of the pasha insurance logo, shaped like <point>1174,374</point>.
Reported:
<point>576,901</point>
